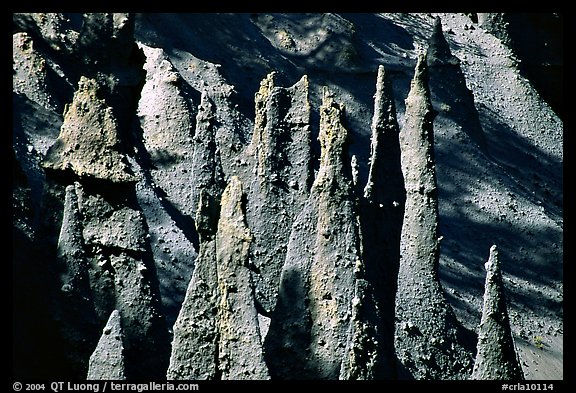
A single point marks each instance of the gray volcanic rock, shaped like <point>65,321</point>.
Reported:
<point>366,356</point>
<point>497,24</point>
<point>381,214</point>
<point>167,118</point>
<point>240,352</point>
<point>325,262</point>
<point>75,308</point>
<point>280,149</point>
<point>107,360</point>
<point>107,225</point>
<point>496,356</point>
<point>31,72</point>
<point>206,166</point>
<point>195,344</point>
<point>89,143</point>
<point>71,246</point>
<point>310,322</point>
<point>217,333</point>
<point>426,340</point>
<point>55,29</point>
<point>450,94</point>
<point>123,275</point>
<point>105,38</point>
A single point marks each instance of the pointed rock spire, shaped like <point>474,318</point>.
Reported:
<point>107,360</point>
<point>332,138</point>
<point>438,49</point>
<point>311,319</point>
<point>496,356</point>
<point>195,343</point>
<point>106,37</point>
<point>75,307</point>
<point>206,166</point>
<point>381,215</point>
<point>260,119</point>
<point>167,120</point>
<point>385,182</point>
<point>448,84</point>
<point>278,186</point>
<point>240,352</point>
<point>89,143</point>
<point>427,340</point>
<point>71,245</point>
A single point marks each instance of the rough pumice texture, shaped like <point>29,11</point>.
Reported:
<point>206,165</point>
<point>326,263</point>
<point>89,144</point>
<point>195,344</point>
<point>217,334</point>
<point>114,232</point>
<point>426,341</point>
<point>381,214</point>
<point>123,275</point>
<point>167,121</point>
<point>75,295</point>
<point>106,37</point>
<point>107,360</point>
<point>309,326</point>
<point>31,72</point>
<point>240,351</point>
<point>366,356</point>
<point>496,356</point>
<point>71,246</point>
<point>279,181</point>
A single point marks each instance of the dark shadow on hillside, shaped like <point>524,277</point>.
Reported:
<point>538,41</point>
<point>527,249</point>
<point>539,176</point>
<point>230,40</point>
<point>380,32</point>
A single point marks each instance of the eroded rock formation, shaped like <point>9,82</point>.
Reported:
<point>240,354</point>
<point>381,214</point>
<point>310,322</point>
<point>280,179</point>
<point>217,334</point>
<point>496,356</point>
<point>448,84</point>
<point>195,344</point>
<point>162,203</point>
<point>107,360</point>
<point>89,144</point>
<point>426,341</point>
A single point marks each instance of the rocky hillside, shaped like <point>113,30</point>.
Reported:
<point>287,196</point>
